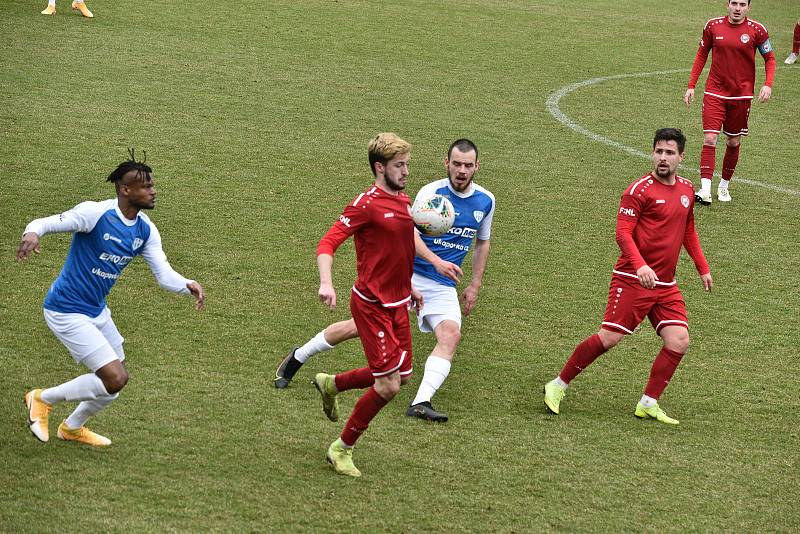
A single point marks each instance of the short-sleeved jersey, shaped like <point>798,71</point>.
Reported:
<point>383,231</point>
<point>733,48</point>
<point>103,244</point>
<point>661,214</point>
<point>474,212</point>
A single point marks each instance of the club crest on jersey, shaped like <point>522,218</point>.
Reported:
<point>137,243</point>
<point>478,214</point>
<point>684,201</point>
<point>744,38</point>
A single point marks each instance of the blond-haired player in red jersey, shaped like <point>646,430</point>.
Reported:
<point>379,219</point>
<point>655,218</point>
<point>729,90</point>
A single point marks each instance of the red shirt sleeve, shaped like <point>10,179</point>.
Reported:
<point>627,218</point>
<point>701,57</point>
<point>769,66</point>
<point>352,218</point>
<point>691,242</point>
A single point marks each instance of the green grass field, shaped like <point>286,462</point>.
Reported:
<point>255,116</point>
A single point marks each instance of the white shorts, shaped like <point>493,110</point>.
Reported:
<point>93,342</point>
<point>440,304</point>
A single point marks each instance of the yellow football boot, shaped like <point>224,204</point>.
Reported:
<point>341,458</point>
<point>654,412</point>
<point>38,414</point>
<point>49,10</point>
<point>81,6</point>
<point>82,435</point>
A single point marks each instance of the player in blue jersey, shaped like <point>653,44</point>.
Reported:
<point>436,273</point>
<point>106,237</point>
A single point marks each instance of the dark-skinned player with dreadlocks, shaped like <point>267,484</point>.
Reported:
<point>106,237</point>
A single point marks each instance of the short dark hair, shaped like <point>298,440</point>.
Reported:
<point>141,168</point>
<point>671,134</point>
<point>463,145</point>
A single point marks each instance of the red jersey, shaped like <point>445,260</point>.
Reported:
<point>653,221</point>
<point>384,235</point>
<point>733,63</point>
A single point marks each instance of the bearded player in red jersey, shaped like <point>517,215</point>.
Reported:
<point>729,89</point>
<point>379,219</point>
<point>655,218</point>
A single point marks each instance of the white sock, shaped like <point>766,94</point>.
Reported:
<point>648,402</point>
<point>314,346</point>
<point>705,184</point>
<point>85,387</point>
<point>436,370</point>
<point>51,3</point>
<point>88,409</point>
<point>723,184</point>
<point>560,382</point>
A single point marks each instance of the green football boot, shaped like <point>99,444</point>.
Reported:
<point>654,412</point>
<point>327,389</point>
<point>553,393</point>
<point>341,458</point>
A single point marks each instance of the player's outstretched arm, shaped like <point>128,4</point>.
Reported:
<point>81,218</point>
<point>28,244</point>
<point>199,295</point>
<point>326,292</point>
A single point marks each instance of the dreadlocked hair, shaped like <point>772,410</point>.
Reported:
<point>141,168</point>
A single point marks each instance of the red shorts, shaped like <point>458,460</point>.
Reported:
<point>385,335</point>
<point>629,303</point>
<point>725,115</point>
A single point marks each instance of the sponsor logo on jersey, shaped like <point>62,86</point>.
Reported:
<point>630,212</point>
<point>719,37</point>
<point>344,220</point>
<point>684,201</point>
<point>110,237</point>
<point>744,38</point>
<point>661,201</point>
<point>388,214</point>
<point>137,243</point>
<point>103,274</point>
<point>447,244</point>
<point>463,232</point>
<point>478,214</point>
<point>113,258</point>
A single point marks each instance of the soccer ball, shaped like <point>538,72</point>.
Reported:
<point>433,215</point>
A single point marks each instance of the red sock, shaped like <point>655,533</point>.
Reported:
<point>355,379</point>
<point>708,156</point>
<point>585,353</point>
<point>729,161</point>
<point>367,407</point>
<point>796,42</point>
<point>663,368</point>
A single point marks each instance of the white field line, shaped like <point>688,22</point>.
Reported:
<point>563,118</point>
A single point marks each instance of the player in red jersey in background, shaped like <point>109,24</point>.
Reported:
<point>729,91</point>
<point>379,219</point>
<point>790,60</point>
<point>655,218</point>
